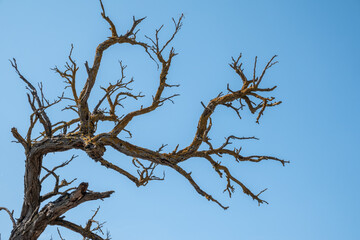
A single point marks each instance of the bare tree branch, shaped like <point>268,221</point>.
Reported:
<point>87,232</point>
<point>69,74</point>
<point>43,117</point>
<point>60,234</point>
<point>76,228</point>
<point>20,139</point>
<point>87,127</point>
<point>112,26</point>
<point>11,215</point>
<point>158,100</point>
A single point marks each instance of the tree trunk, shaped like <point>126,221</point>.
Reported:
<point>28,230</point>
<point>27,227</point>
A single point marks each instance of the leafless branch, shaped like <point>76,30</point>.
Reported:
<point>158,100</point>
<point>69,74</point>
<point>58,184</point>
<point>113,88</point>
<point>11,215</point>
<point>20,139</point>
<point>76,228</point>
<point>112,26</point>
<point>43,117</point>
<point>60,234</point>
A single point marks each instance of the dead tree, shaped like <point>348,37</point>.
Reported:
<point>81,133</point>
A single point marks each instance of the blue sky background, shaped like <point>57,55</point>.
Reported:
<point>316,128</point>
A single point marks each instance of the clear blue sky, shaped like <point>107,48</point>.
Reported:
<point>317,128</point>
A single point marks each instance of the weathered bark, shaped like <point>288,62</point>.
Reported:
<point>33,222</point>
<point>32,186</point>
<point>30,228</point>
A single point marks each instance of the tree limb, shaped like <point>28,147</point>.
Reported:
<point>11,215</point>
<point>43,117</point>
<point>76,228</point>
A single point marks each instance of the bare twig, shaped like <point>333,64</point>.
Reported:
<point>11,215</point>
<point>43,117</point>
